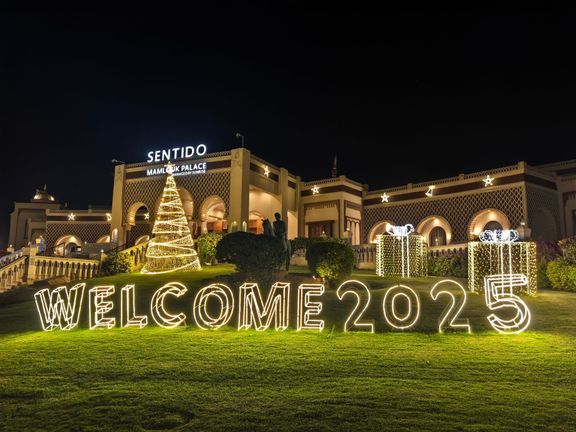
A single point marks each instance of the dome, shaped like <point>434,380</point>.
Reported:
<point>42,196</point>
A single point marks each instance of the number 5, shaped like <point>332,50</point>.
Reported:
<point>499,296</point>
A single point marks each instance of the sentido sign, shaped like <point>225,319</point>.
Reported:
<point>61,307</point>
<point>176,153</point>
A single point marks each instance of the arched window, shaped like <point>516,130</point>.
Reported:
<point>493,225</point>
<point>437,237</point>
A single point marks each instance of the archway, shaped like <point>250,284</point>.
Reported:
<point>141,239</point>
<point>481,219</point>
<point>380,228</point>
<point>213,214</point>
<point>67,244</point>
<point>104,239</point>
<point>436,230</point>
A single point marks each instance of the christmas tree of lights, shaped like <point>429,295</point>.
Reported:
<point>172,248</point>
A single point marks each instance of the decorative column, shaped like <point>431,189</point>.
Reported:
<point>239,189</point>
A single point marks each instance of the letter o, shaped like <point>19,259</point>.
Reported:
<point>200,152</point>
<point>398,320</point>
<point>226,299</point>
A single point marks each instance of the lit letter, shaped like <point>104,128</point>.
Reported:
<point>128,317</point>
<point>307,308</point>
<point>150,156</point>
<point>201,149</point>
<point>165,154</point>
<point>452,309</point>
<point>356,288</point>
<point>408,319</point>
<point>253,312</point>
<point>175,152</point>
<point>226,306</point>
<point>59,308</point>
<point>101,307</point>
<point>157,156</point>
<point>498,291</point>
<point>189,151</point>
<point>157,310</point>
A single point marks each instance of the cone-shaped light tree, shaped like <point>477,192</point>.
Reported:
<point>172,248</point>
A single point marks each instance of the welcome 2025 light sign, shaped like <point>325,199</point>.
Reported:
<point>61,307</point>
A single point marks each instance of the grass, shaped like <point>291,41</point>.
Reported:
<point>189,379</point>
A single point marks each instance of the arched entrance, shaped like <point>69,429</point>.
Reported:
<point>213,215</point>
<point>436,230</point>
<point>380,228</point>
<point>482,221</point>
<point>67,245</point>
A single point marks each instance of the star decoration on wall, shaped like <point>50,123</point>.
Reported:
<point>146,216</point>
<point>385,197</point>
<point>315,190</point>
<point>488,181</point>
<point>108,217</point>
<point>266,171</point>
<point>71,216</point>
<point>430,190</point>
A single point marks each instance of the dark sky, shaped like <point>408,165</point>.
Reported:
<point>399,98</point>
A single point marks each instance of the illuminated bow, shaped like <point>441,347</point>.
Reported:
<point>499,236</point>
<point>400,231</point>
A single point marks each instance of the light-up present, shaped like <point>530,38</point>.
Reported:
<point>401,253</point>
<point>498,253</point>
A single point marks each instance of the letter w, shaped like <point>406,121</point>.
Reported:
<point>59,308</point>
<point>254,312</point>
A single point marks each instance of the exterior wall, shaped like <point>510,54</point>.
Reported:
<point>544,213</point>
<point>88,232</point>
<point>458,210</point>
<point>26,220</point>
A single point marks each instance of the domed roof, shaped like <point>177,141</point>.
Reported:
<point>42,196</point>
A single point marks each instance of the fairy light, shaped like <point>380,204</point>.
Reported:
<point>488,181</point>
<point>59,308</point>
<point>98,307</point>
<point>157,309</point>
<point>499,252</point>
<point>401,252</point>
<point>450,315</point>
<point>315,190</point>
<point>389,306</point>
<point>362,295</point>
<point>172,248</point>
<point>71,216</point>
<point>128,317</point>
<point>307,308</point>
<point>225,297</point>
<point>253,312</point>
<point>499,295</point>
<point>385,197</point>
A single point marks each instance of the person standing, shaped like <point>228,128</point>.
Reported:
<point>281,233</point>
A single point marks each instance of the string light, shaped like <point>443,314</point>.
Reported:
<point>172,247</point>
<point>225,299</point>
<point>307,308</point>
<point>499,294</point>
<point>453,309</point>
<point>391,315</point>
<point>128,317</point>
<point>354,322</point>
<point>162,317</point>
<point>401,252</point>
<point>59,308</point>
<point>253,312</point>
<point>96,300</point>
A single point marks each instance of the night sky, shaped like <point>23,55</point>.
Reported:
<point>399,98</point>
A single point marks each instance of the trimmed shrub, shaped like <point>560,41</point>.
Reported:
<point>562,275</point>
<point>254,255</point>
<point>303,243</point>
<point>116,263</point>
<point>207,247</point>
<point>332,261</point>
<point>448,266</point>
<point>568,248</point>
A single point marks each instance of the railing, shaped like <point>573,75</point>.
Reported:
<point>136,253</point>
<point>366,253</point>
<point>7,259</point>
<point>13,273</point>
<point>71,268</point>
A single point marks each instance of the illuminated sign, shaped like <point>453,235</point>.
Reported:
<point>176,153</point>
<point>214,306</point>
<point>179,170</point>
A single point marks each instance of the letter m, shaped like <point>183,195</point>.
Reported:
<point>253,312</point>
<point>59,308</point>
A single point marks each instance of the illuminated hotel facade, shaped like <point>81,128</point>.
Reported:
<point>235,190</point>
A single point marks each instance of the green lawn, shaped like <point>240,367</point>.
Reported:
<point>190,379</point>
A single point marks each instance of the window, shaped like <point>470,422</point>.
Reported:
<point>492,225</point>
<point>437,237</point>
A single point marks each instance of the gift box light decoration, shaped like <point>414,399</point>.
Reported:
<point>499,253</point>
<point>401,252</point>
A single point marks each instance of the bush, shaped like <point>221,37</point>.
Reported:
<point>252,254</point>
<point>303,243</point>
<point>562,275</point>
<point>332,261</point>
<point>568,248</point>
<point>448,266</point>
<point>115,263</point>
<point>207,247</point>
